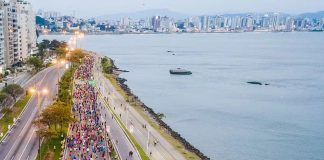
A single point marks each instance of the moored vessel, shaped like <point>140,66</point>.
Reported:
<point>180,71</point>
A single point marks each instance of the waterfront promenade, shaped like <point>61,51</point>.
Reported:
<point>156,146</point>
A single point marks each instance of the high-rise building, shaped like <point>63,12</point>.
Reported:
<point>10,30</point>
<point>156,22</point>
<point>289,24</point>
<point>265,22</point>
<point>2,42</point>
<point>249,23</point>
<point>26,30</point>
<point>51,14</point>
<point>17,32</point>
<point>204,20</point>
<point>275,22</point>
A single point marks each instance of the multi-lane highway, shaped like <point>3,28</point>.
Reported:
<point>22,142</point>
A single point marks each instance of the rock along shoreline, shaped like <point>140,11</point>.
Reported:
<point>160,122</point>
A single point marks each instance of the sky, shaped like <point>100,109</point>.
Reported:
<point>94,8</point>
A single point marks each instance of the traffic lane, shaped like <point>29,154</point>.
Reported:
<point>30,148</point>
<point>24,144</point>
<point>37,78</point>
<point>25,149</point>
<point>122,143</point>
<point>19,147</point>
<point>17,133</point>
<point>159,151</point>
<point>140,133</point>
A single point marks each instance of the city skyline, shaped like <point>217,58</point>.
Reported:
<point>48,22</point>
<point>186,7</point>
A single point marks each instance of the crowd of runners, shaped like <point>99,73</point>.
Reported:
<point>87,139</point>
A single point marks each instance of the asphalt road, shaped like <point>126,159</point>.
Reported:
<point>122,143</point>
<point>134,122</point>
<point>22,143</point>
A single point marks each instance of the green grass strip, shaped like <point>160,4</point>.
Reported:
<point>47,147</point>
<point>16,110</point>
<point>132,139</point>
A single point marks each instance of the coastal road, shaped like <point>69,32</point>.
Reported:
<point>122,143</point>
<point>134,122</point>
<point>22,142</point>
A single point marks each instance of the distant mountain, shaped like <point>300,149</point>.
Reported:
<point>319,14</point>
<point>144,14</point>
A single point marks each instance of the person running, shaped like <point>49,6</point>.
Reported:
<point>86,139</point>
<point>130,154</point>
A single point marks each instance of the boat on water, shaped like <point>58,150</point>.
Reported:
<point>180,71</point>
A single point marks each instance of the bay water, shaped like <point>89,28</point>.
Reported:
<point>214,108</point>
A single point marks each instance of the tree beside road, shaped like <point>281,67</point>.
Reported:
<point>55,115</point>
<point>14,90</point>
<point>36,62</point>
<point>5,99</point>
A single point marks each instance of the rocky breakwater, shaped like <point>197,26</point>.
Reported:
<point>156,118</point>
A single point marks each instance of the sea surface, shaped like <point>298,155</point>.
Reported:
<point>215,109</point>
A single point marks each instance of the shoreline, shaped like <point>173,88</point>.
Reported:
<point>154,116</point>
<point>152,33</point>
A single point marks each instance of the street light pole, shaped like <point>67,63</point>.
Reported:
<point>44,91</point>
<point>148,139</point>
<point>38,114</point>
<point>127,116</point>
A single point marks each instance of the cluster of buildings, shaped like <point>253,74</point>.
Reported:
<point>17,33</point>
<point>269,22</point>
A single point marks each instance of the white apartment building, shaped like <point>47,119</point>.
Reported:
<point>26,30</point>
<point>2,44</point>
<point>17,32</point>
<point>10,31</point>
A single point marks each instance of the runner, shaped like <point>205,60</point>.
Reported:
<point>87,139</point>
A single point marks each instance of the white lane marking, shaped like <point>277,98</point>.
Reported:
<point>19,136</point>
<point>27,143</point>
<point>33,77</point>
<point>27,121</point>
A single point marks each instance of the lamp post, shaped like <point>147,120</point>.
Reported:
<point>148,140</point>
<point>38,92</point>
<point>126,116</point>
